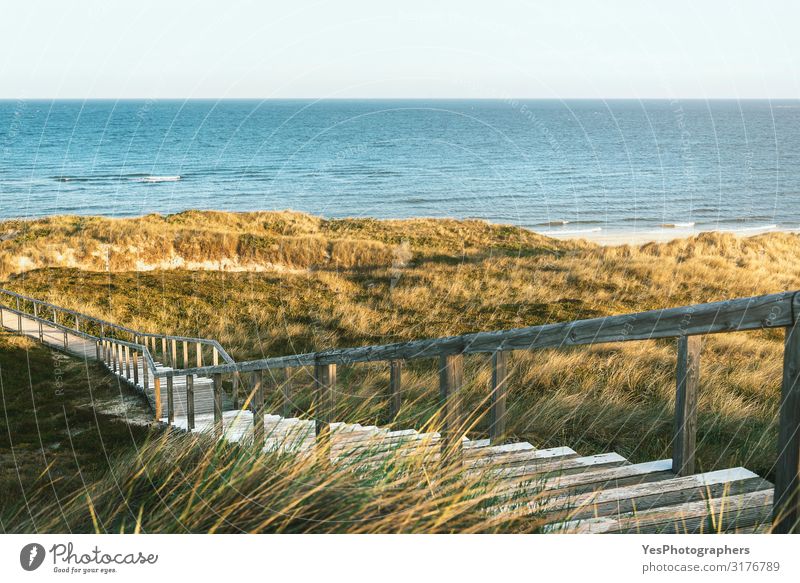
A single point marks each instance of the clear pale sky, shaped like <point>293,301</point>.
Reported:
<point>409,48</point>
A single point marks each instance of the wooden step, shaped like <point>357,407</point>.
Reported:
<point>646,496</point>
<point>751,510</point>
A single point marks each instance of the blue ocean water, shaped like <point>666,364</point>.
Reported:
<point>549,165</point>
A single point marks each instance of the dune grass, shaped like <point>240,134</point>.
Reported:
<point>280,283</point>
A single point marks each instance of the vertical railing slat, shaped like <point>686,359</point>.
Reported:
<point>218,405</point>
<point>190,402</point>
<point>687,374</point>
<point>451,378</point>
<point>257,388</point>
<point>395,388</point>
<point>786,515</point>
<point>499,397</point>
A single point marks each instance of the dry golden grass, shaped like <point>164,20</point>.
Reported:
<point>280,283</point>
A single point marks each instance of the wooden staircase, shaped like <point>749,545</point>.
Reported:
<point>565,492</point>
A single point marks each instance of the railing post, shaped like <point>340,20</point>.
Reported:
<point>324,387</point>
<point>136,367</point>
<point>98,350</point>
<point>164,350</point>
<point>786,513</point>
<point>215,356</point>
<point>395,387</point>
<point>199,351</point>
<point>257,388</point>
<point>286,394</point>
<point>497,415</point>
<point>77,323</point>
<point>174,359</point>
<point>235,391</point>
<point>218,405</point>
<point>157,397</point>
<point>128,373</point>
<point>66,342</point>
<point>190,402</point>
<point>684,436</point>
<point>170,401</point>
<point>185,354</point>
<point>451,378</point>
<point>145,373</point>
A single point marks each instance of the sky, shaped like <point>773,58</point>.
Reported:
<point>408,49</point>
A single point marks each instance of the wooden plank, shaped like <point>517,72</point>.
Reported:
<point>684,438</point>
<point>499,394</point>
<point>170,401</point>
<point>164,354</point>
<point>451,380</point>
<point>257,389</point>
<point>217,405</point>
<point>286,393</point>
<point>563,465</point>
<point>703,516</point>
<point>174,353</point>
<point>199,351</point>
<point>395,388</point>
<point>190,402</point>
<point>324,385</point>
<point>157,397</point>
<point>510,455</point>
<point>185,354</point>
<point>324,388</point>
<point>135,367</point>
<point>215,356</point>
<point>787,467</point>
<point>650,495</point>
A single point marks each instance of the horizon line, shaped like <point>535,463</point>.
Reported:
<point>446,98</point>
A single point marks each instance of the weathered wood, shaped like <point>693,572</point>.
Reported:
<point>733,315</point>
<point>145,374</point>
<point>286,393</point>
<point>395,388</point>
<point>185,354</point>
<point>499,388</point>
<point>786,513</point>
<point>136,367</point>
<point>684,435</point>
<point>324,387</point>
<point>199,350</point>
<point>190,402</point>
<point>157,397</point>
<point>164,355</point>
<point>128,372</point>
<point>451,378</point>
<point>235,391</point>
<point>174,355</point>
<point>170,401</point>
<point>215,356</point>
<point>217,405</point>
<point>257,390</point>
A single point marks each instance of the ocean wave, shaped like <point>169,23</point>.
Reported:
<point>555,223</point>
<point>746,229</point>
<point>570,231</point>
<point>153,179</point>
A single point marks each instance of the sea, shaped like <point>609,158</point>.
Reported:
<point>563,167</point>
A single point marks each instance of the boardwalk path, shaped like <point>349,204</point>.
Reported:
<point>595,493</point>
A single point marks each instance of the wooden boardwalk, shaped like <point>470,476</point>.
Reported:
<point>566,491</point>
